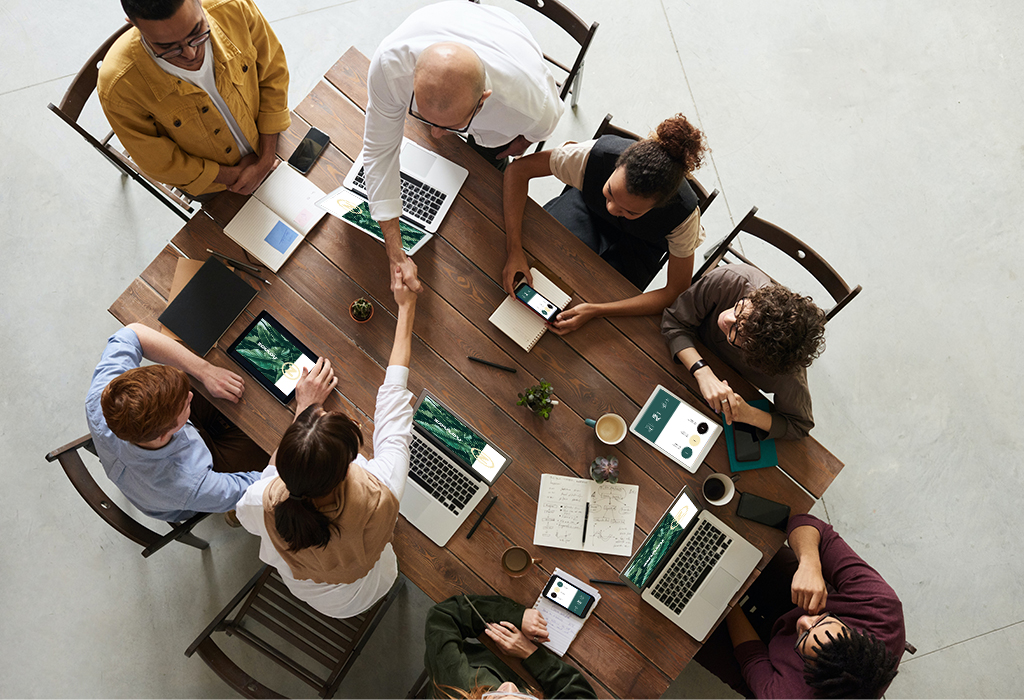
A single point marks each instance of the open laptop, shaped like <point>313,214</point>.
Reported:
<point>690,566</point>
<point>452,468</point>
<point>429,184</point>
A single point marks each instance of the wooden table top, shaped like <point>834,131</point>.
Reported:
<point>627,648</point>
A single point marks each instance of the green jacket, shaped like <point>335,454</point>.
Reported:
<point>450,661</point>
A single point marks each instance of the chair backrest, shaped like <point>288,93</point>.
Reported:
<point>704,199</point>
<point>70,111</point>
<point>73,465</point>
<point>269,606</point>
<point>841,292</point>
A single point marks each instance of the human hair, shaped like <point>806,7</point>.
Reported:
<point>851,664</point>
<point>144,403</point>
<point>783,330</point>
<point>474,693</point>
<point>656,166</point>
<point>151,9</point>
<point>312,460</point>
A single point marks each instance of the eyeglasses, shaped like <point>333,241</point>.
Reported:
<point>194,42</point>
<point>413,113</point>
<point>734,333</point>
<point>803,637</point>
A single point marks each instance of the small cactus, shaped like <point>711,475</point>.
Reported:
<point>604,469</point>
<point>538,399</point>
<point>361,309</point>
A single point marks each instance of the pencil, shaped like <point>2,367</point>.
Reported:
<point>482,516</point>
<point>491,364</point>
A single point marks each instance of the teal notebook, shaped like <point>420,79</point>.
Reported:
<point>769,457</point>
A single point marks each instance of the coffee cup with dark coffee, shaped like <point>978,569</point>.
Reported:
<point>719,489</point>
<point>516,561</point>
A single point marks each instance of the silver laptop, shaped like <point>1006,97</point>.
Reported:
<point>429,184</point>
<point>690,566</point>
<point>451,469</point>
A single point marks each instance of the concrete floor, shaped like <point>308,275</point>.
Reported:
<point>886,135</point>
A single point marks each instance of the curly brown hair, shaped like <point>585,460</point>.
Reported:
<point>783,330</point>
<point>655,166</point>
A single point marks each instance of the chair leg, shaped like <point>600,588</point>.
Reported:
<point>181,532</point>
<point>577,85</point>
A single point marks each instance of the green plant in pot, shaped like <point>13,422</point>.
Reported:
<point>538,399</point>
<point>361,310</point>
<point>604,469</point>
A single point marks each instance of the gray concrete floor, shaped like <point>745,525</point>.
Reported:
<point>886,135</point>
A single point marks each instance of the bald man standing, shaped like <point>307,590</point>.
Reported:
<point>463,68</point>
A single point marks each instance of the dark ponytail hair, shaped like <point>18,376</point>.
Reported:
<point>655,166</point>
<point>312,460</point>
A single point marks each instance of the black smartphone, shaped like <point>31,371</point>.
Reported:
<point>308,150</point>
<point>764,511</point>
<point>744,440</point>
<point>536,302</point>
<point>568,596</point>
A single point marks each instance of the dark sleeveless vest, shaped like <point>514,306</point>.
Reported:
<point>653,226</point>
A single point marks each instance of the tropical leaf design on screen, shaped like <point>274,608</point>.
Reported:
<point>268,350</point>
<point>360,216</point>
<point>449,430</point>
<point>659,545</point>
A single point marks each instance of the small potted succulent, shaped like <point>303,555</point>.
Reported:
<point>538,399</point>
<point>360,310</point>
<point>604,469</point>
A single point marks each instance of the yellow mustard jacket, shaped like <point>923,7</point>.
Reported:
<point>172,129</point>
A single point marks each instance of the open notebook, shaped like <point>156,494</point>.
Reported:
<point>277,217</point>
<point>518,322</point>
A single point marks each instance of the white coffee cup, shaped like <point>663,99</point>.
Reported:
<point>610,428</point>
<point>726,494</point>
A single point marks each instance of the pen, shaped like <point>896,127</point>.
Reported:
<point>247,266</point>
<point>610,583</point>
<point>586,516</point>
<point>265,281</point>
<point>481,518</point>
<point>491,364</point>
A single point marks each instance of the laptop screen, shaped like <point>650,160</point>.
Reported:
<point>461,441</point>
<point>660,544</point>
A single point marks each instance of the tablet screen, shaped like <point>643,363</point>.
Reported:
<point>272,355</point>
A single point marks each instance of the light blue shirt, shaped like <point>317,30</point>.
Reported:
<point>171,483</point>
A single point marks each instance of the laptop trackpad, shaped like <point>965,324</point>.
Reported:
<point>719,588</point>
<point>416,161</point>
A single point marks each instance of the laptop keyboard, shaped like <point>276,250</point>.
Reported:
<point>418,199</point>
<point>439,477</point>
<point>691,566</point>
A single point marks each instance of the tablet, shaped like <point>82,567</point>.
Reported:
<point>676,429</point>
<point>272,355</point>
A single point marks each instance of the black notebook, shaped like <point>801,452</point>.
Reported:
<point>207,306</point>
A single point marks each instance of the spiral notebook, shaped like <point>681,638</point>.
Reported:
<point>521,324</point>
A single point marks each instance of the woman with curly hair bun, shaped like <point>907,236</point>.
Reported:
<point>629,201</point>
<point>767,333</point>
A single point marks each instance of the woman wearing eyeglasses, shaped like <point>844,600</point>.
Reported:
<point>325,514</point>
<point>767,333</point>
<point>458,669</point>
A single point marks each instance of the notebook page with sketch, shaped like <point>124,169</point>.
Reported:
<point>584,515</point>
<point>520,324</point>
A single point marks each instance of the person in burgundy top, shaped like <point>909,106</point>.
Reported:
<point>831,626</point>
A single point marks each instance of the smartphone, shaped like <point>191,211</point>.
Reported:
<point>745,442</point>
<point>763,511</point>
<point>537,303</point>
<point>568,596</point>
<point>308,150</point>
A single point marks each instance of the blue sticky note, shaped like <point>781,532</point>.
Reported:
<point>281,236</point>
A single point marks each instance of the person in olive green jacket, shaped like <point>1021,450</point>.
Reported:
<point>197,93</point>
<point>459,668</point>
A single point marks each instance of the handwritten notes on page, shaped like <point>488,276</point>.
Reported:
<point>563,626</point>
<point>582,514</point>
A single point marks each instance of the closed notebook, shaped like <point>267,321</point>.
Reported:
<point>520,323</point>
<point>207,306</point>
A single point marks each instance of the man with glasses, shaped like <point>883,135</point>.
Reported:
<point>197,93</point>
<point>822,623</point>
<point>767,333</point>
<point>461,68</point>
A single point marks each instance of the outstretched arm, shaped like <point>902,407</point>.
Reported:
<point>515,189</point>
<point>405,297</point>
<point>157,347</point>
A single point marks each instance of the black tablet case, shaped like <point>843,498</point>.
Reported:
<point>207,306</point>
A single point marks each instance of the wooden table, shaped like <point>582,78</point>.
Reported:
<point>610,365</point>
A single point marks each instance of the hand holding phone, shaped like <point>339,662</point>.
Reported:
<point>568,596</point>
<point>536,302</point>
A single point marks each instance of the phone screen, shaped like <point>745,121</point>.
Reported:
<point>762,510</point>
<point>568,596</point>
<point>532,298</point>
<point>308,150</point>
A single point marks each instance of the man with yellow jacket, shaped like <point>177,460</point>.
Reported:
<point>197,93</point>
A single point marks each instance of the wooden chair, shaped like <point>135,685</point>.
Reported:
<point>704,199</point>
<point>581,32</point>
<point>87,488</point>
<point>70,110</point>
<point>269,606</point>
<point>792,246</point>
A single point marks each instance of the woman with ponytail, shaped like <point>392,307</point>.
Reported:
<point>325,514</point>
<point>629,201</point>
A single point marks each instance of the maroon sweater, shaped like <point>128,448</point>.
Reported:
<point>861,599</point>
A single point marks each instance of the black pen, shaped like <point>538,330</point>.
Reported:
<point>265,281</point>
<point>586,516</point>
<point>482,516</point>
<point>239,263</point>
<point>491,364</point>
<point>610,583</point>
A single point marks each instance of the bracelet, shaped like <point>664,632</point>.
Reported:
<point>697,365</point>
